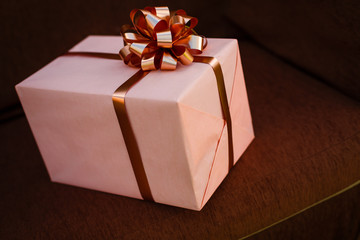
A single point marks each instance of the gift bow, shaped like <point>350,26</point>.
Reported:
<point>158,39</point>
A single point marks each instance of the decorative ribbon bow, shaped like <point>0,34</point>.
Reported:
<point>158,39</point>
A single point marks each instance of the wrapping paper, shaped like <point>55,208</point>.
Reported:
<point>176,117</point>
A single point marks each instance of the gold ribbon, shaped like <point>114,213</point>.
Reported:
<point>214,63</point>
<point>157,40</point>
<point>128,133</point>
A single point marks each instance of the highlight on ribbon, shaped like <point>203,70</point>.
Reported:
<point>159,39</point>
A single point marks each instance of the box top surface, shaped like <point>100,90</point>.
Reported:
<point>102,76</point>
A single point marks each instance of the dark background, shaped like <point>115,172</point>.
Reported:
<point>320,37</point>
<point>301,63</point>
<point>36,32</point>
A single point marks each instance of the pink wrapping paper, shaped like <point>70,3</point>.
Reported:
<point>176,117</point>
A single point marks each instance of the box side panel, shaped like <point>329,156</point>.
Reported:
<point>80,139</point>
<point>242,132</point>
<point>162,150</point>
<point>204,95</point>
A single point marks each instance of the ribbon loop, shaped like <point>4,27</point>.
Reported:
<point>183,55</point>
<point>140,49</point>
<point>130,34</point>
<point>138,19</point>
<point>149,62</point>
<point>177,26</point>
<point>164,39</point>
<point>125,54</point>
<point>159,39</point>
<point>168,62</point>
<point>161,12</point>
<point>155,24</point>
<point>195,43</point>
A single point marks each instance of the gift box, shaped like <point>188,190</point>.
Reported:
<point>176,117</point>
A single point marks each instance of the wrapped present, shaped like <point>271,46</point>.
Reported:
<point>165,136</point>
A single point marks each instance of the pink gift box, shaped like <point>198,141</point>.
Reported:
<point>176,117</point>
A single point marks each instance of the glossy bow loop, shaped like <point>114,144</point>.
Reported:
<point>159,39</point>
